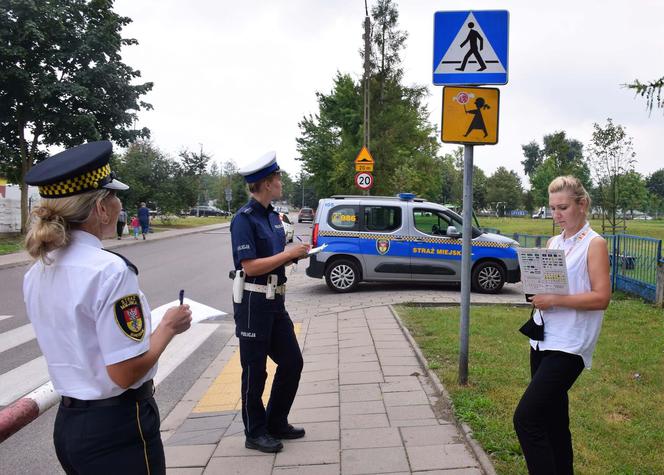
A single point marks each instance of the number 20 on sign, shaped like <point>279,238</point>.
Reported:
<point>364,180</point>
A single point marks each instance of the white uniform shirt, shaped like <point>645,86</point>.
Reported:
<point>87,312</point>
<point>567,329</point>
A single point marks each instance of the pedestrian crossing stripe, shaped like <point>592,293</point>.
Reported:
<point>470,47</point>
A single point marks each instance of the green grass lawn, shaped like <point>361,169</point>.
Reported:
<point>508,226</point>
<point>180,222</point>
<point>616,408</point>
<point>10,243</point>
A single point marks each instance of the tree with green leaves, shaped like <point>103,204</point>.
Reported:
<point>62,81</point>
<point>153,178</point>
<point>611,157</point>
<point>504,186</point>
<point>655,183</point>
<point>633,195</point>
<point>194,166</point>
<point>403,142</point>
<point>651,91</point>
<point>558,156</point>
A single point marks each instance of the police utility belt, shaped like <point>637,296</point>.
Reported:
<point>239,286</point>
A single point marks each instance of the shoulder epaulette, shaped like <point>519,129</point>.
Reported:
<point>248,210</point>
<point>130,264</point>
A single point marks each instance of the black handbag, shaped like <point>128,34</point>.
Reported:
<point>531,329</point>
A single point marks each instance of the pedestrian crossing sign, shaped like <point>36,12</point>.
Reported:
<point>470,47</point>
<point>470,115</point>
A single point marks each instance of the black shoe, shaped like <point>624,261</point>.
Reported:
<point>264,443</point>
<point>289,433</point>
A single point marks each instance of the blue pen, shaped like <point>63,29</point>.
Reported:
<point>181,296</point>
<point>299,238</point>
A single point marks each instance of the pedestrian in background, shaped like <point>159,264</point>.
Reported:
<point>92,321</point>
<point>262,323</point>
<point>572,325</point>
<point>136,226</point>
<point>144,219</point>
<point>122,222</point>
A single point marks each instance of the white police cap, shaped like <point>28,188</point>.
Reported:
<point>259,169</point>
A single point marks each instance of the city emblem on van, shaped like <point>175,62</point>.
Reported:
<point>382,246</point>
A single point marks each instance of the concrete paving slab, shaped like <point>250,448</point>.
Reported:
<point>310,401</point>
<point>364,421</point>
<point>321,431</point>
<point>327,469</point>
<point>430,435</point>
<point>318,387</point>
<point>301,452</point>
<point>321,414</point>
<point>364,407</point>
<point>406,398</point>
<point>320,375</point>
<point>220,421</point>
<point>195,438</point>
<point>188,456</point>
<point>421,411</point>
<point>184,471</point>
<point>373,460</point>
<point>360,392</point>
<point>409,383</point>
<point>440,457</point>
<point>403,370</point>
<point>359,366</point>
<point>240,465</point>
<point>398,360</point>
<point>367,438</point>
<point>361,377</point>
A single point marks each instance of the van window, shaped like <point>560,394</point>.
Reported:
<point>344,218</point>
<point>433,222</point>
<point>382,218</point>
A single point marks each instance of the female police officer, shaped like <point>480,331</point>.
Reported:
<point>92,321</point>
<point>263,325</point>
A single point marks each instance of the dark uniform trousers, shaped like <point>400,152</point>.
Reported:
<point>264,329</point>
<point>122,439</point>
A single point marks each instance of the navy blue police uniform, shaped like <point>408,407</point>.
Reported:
<point>88,312</point>
<point>263,326</point>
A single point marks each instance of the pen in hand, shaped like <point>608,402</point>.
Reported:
<point>181,296</point>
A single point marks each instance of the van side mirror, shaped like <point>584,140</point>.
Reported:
<point>452,232</point>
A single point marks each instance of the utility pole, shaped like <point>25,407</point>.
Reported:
<point>367,68</point>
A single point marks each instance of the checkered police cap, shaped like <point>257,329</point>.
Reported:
<point>74,171</point>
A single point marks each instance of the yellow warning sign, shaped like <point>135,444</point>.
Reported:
<point>364,167</point>
<point>470,115</point>
<point>364,157</point>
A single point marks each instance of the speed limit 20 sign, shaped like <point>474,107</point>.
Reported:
<point>364,180</point>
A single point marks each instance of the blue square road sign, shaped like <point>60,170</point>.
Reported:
<point>470,47</point>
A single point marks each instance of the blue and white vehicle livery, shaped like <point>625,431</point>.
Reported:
<point>403,238</point>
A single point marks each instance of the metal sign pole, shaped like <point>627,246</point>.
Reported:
<point>466,261</point>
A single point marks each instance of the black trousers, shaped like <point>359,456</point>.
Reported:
<point>281,346</point>
<point>541,419</point>
<point>120,439</point>
<point>119,227</point>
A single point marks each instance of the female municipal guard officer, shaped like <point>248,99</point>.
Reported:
<point>92,321</point>
<point>262,323</point>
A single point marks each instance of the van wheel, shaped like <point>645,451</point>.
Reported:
<point>342,276</point>
<point>488,277</point>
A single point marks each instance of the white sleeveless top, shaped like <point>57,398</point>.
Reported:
<point>567,329</point>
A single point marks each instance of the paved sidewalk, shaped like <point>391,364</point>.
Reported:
<point>368,404</point>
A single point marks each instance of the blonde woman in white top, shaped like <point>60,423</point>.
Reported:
<point>571,327</point>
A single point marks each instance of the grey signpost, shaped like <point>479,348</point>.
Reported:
<point>484,61</point>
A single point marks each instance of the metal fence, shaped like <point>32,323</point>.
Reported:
<point>633,261</point>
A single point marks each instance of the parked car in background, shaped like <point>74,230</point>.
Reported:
<point>282,209</point>
<point>306,214</point>
<point>205,210</point>
<point>643,217</point>
<point>289,228</point>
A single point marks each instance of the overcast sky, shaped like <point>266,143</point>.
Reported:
<point>237,77</point>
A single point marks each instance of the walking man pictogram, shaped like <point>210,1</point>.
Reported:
<point>473,39</point>
<point>478,121</point>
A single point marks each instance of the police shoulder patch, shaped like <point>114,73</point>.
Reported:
<point>129,316</point>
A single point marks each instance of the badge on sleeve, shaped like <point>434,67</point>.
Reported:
<point>129,315</point>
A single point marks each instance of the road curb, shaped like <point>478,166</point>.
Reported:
<point>478,451</point>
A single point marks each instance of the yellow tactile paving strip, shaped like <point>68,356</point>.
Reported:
<point>224,393</point>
